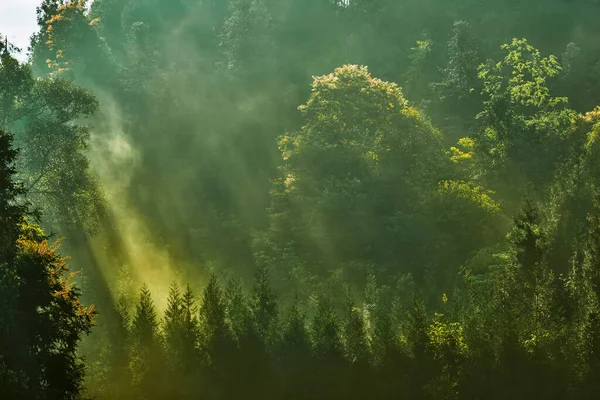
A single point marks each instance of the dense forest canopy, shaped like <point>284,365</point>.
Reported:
<point>302,199</point>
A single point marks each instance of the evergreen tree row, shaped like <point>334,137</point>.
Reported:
<point>520,331</point>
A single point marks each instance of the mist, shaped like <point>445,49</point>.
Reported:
<point>319,198</point>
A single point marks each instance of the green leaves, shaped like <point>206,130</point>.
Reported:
<point>51,164</point>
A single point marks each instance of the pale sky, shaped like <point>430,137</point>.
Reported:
<point>18,22</point>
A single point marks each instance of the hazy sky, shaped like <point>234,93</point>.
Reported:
<point>18,22</point>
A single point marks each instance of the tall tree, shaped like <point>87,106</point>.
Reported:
<point>180,331</point>
<point>146,356</point>
<point>216,340</point>
<point>523,128</point>
<point>41,318</point>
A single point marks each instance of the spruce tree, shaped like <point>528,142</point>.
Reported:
<point>265,307</point>
<point>146,357</point>
<point>356,351</point>
<point>295,354</point>
<point>329,364</point>
<point>215,341</point>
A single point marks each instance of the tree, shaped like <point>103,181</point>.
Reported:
<point>72,46</point>
<point>416,332</point>
<point>526,241</point>
<point>360,145</point>
<point>11,212</point>
<point>458,90</point>
<point>265,308</point>
<point>460,74</point>
<point>52,163</point>
<point>246,40</point>
<point>356,351</point>
<point>180,331</point>
<point>41,318</point>
<point>295,354</point>
<point>146,356</point>
<point>329,364</point>
<point>215,340</point>
<point>524,129</point>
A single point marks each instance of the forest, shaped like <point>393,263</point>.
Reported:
<point>301,199</point>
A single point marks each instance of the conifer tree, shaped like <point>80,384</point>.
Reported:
<point>41,317</point>
<point>295,353</point>
<point>329,364</point>
<point>265,307</point>
<point>146,356</point>
<point>422,367</point>
<point>180,331</point>
<point>215,341</point>
<point>356,351</point>
<point>239,317</point>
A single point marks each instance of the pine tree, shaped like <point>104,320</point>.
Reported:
<point>422,367</point>
<point>172,326</point>
<point>329,364</point>
<point>388,361</point>
<point>356,347</point>
<point>216,341</point>
<point>265,308</point>
<point>121,347</point>
<point>11,212</point>
<point>146,356</point>
<point>239,317</point>
<point>295,353</point>
<point>356,351</point>
<point>145,322</point>
<point>460,75</point>
<point>180,331</point>
<point>246,40</point>
<point>190,329</point>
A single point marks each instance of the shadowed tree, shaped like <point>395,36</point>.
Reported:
<point>41,318</point>
<point>147,360</point>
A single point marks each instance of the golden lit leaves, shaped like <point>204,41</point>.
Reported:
<point>592,118</point>
<point>372,155</point>
<point>350,109</point>
<point>52,273</point>
<point>289,182</point>
<point>591,121</point>
<point>470,192</point>
<point>466,153</point>
<point>70,21</point>
<point>78,5</point>
<point>447,338</point>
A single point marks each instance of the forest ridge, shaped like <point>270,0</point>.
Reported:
<point>300,200</point>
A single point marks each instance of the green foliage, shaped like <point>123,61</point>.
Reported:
<point>367,186</point>
<point>359,180</point>
<point>523,127</point>
<point>42,320</point>
<point>52,164</point>
<point>459,79</point>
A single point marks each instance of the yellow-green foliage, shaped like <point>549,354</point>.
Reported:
<point>349,109</point>
<point>591,125</point>
<point>528,81</point>
<point>472,193</point>
<point>464,152</point>
<point>592,118</point>
<point>520,102</point>
<point>447,337</point>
